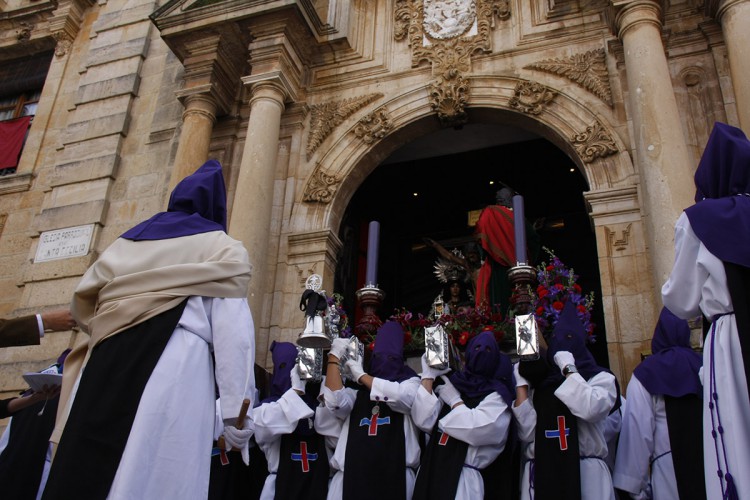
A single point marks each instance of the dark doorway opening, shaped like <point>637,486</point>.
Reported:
<point>423,193</point>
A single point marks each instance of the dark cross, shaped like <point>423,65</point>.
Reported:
<point>560,433</point>
<point>443,439</point>
<point>373,423</point>
<point>304,457</point>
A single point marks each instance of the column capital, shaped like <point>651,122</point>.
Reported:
<point>632,13</point>
<point>718,8</point>
<point>198,101</point>
<point>275,86</point>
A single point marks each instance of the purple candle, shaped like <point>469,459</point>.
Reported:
<point>519,228</point>
<point>373,243</point>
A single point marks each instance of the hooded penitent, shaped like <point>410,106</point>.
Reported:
<point>486,370</point>
<point>388,355</point>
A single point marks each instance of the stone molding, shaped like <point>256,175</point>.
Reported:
<point>531,97</point>
<point>325,117</point>
<point>66,22</point>
<point>588,70</point>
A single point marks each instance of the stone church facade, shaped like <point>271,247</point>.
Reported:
<point>302,100</point>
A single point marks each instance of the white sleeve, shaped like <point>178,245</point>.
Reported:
<point>233,336</point>
<point>425,410</point>
<point>339,402</point>
<point>398,395</point>
<point>487,424</point>
<point>588,400</point>
<point>525,416</point>
<point>279,417</point>
<point>636,445</point>
<point>681,293</point>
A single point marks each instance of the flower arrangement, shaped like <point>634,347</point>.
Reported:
<point>557,285</point>
<point>338,317</point>
<point>461,327</point>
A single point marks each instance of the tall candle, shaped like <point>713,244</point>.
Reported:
<point>373,242</point>
<point>519,229</point>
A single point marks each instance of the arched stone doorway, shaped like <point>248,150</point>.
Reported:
<point>582,133</point>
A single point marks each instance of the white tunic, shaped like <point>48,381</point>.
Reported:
<point>168,453</point>
<point>484,428</point>
<point>399,397</point>
<point>644,456</point>
<point>273,420</point>
<point>698,284</point>
<point>590,401</point>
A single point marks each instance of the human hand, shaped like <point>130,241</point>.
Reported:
<point>238,439</point>
<point>58,320</point>
<point>297,383</point>
<point>520,381</point>
<point>448,393</point>
<point>563,359</point>
<point>429,372</point>
<point>338,347</point>
<point>355,368</point>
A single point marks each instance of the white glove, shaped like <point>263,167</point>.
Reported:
<point>448,393</point>
<point>238,438</point>
<point>297,383</point>
<point>338,347</point>
<point>520,381</point>
<point>429,372</point>
<point>563,359</point>
<point>355,368</point>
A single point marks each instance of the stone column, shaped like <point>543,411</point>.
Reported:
<point>198,121</point>
<point>734,17</point>
<point>661,153</point>
<point>253,199</point>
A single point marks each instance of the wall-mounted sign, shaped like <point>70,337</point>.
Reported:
<point>64,243</point>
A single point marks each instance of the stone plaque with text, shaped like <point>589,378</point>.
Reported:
<point>64,243</point>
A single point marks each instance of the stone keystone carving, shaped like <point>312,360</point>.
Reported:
<point>320,186</point>
<point>374,126</point>
<point>595,142</point>
<point>327,116</point>
<point>531,97</point>
<point>446,33</point>
<point>589,70</point>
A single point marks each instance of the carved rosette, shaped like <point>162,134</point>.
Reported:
<point>589,70</point>
<point>374,126</point>
<point>446,33</point>
<point>321,186</point>
<point>324,118</point>
<point>595,142</point>
<point>531,97</point>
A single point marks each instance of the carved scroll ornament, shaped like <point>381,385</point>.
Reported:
<point>374,126</point>
<point>320,186</point>
<point>531,97</point>
<point>324,118</point>
<point>595,142</point>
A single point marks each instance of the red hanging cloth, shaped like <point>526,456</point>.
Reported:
<point>12,135</point>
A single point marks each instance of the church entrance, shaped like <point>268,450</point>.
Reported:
<point>434,186</point>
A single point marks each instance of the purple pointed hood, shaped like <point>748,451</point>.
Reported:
<point>284,355</point>
<point>388,356</point>
<point>720,217</point>
<point>486,370</point>
<point>570,335</point>
<point>198,204</point>
<point>672,369</point>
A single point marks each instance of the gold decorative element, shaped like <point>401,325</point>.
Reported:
<point>321,186</point>
<point>327,116</point>
<point>595,142</point>
<point>531,97</point>
<point>450,54</point>
<point>621,243</point>
<point>589,70</point>
<point>374,126</point>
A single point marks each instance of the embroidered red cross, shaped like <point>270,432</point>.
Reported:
<point>560,433</point>
<point>373,423</point>
<point>443,439</point>
<point>304,457</point>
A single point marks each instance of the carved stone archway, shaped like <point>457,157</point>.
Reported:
<point>593,143</point>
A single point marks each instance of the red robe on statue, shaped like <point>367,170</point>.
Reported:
<point>495,232</point>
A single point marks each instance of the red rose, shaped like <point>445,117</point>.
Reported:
<point>576,288</point>
<point>407,338</point>
<point>581,309</point>
<point>371,346</point>
<point>558,286</point>
<point>550,268</point>
<point>463,338</point>
<point>539,311</point>
<point>542,292</point>
<point>557,305</point>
